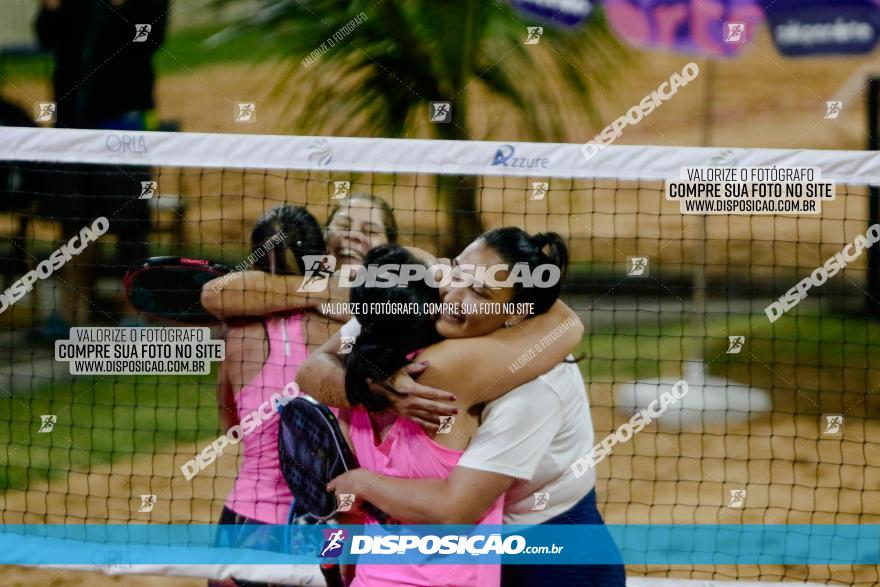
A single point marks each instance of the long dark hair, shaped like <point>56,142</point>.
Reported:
<point>387,338</point>
<point>515,245</point>
<point>299,232</point>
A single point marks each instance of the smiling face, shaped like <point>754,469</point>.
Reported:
<point>354,229</point>
<point>466,325</point>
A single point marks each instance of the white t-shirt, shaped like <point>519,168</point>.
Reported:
<point>533,433</point>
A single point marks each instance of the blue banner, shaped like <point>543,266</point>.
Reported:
<point>489,544</point>
<point>567,13</point>
<point>823,27</point>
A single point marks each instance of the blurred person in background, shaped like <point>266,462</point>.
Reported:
<point>103,79</point>
<point>16,187</point>
<point>12,175</point>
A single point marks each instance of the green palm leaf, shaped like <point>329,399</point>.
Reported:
<point>378,80</point>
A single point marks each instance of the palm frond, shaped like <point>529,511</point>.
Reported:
<point>378,79</point>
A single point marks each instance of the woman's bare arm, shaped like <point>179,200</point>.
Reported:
<point>492,363</point>
<point>322,375</point>
<point>506,358</point>
<point>257,293</point>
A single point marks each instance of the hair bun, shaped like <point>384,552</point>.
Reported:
<point>557,252</point>
<point>541,239</point>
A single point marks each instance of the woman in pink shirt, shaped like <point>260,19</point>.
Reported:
<point>263,355</point>
<point>392,446</point>
<point>262,358</point>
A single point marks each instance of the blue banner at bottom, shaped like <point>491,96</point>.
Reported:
<point>701,544</point>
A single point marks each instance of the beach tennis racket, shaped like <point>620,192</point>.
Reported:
<point>313,452</point>
<point>171,287</point>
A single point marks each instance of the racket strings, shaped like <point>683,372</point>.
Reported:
<point>311,456</point>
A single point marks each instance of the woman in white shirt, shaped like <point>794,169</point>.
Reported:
<point>528,437</point>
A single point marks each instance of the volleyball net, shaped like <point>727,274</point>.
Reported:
<point>767,314</point>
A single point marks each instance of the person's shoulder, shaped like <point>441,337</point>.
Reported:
<point>564,370</point>
<point>245,329</point>
<point>543,390</point>
<point>560,381</point>
<point>565,374</point>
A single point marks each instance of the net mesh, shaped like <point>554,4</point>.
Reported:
<point>117,438</point>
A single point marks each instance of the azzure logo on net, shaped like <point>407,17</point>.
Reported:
<point>505,157</point>
<point>322,267</point>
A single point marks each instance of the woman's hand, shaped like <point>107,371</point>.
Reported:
<point>351,483</point>
<point>422,404</point>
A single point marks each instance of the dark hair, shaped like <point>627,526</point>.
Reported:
<point>297,229</point>
<point>515,245</point>
<point>388,220</point>
<point>387,338</point>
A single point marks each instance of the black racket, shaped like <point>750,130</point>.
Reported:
<point>170,287</point>
<point>313,452</point>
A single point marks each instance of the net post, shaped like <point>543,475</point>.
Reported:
<point>872,295</point>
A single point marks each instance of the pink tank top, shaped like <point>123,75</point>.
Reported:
<point>406,451</point>
<point>260,492</point>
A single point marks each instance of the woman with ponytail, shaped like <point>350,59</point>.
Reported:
<point>262,357</point>
<point>516,433</point>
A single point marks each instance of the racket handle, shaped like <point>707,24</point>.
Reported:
<point>332,575</point>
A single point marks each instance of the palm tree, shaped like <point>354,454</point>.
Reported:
<point>378,80</point>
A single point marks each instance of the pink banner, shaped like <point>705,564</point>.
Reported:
<point>704,27</point>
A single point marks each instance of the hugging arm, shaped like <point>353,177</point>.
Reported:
<point>506,358</point>
<point>257,293</point>
<point>491,362</point>
<point>322,375</point>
